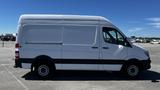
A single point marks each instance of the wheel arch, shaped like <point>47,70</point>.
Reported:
<point>42,59</point>
<point>131,61</point>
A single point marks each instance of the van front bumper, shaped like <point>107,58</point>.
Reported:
<point>146,64</point>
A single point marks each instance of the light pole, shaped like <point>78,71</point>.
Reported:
<point>2,38</point>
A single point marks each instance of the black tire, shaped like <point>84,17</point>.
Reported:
<point>44,70</point>
<point>132,70</point>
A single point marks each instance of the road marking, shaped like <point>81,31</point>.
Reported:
<point>25,87</point>
<point>5,64</point>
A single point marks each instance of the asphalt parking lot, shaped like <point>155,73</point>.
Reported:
<point>21,79</point>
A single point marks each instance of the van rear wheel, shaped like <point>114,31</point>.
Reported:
<point>44,70</point>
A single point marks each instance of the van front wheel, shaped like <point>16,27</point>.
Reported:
<point>132,70</point>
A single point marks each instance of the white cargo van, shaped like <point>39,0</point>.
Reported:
<point>46,43</point>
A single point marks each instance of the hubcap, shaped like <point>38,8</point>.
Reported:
<point>43,70</point>
<point>133,70</point>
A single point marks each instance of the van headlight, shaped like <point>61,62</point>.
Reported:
<point>147,53</point>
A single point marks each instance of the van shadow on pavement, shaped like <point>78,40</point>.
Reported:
<point>94,76</point>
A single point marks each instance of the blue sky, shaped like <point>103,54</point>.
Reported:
<point>133,17</point>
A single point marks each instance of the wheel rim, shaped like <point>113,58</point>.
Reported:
<point>133,70</point>
<point>43,70</point>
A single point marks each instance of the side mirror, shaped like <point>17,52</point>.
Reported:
<point>126,42</point>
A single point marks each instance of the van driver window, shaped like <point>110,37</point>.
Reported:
<point>112,36</point>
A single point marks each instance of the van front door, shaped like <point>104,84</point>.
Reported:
<point>113,49</point>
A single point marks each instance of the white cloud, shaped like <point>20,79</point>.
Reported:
<point>134,22</point>
<point>154,19</point>
<point>135,29</point>
<point>155,24</point>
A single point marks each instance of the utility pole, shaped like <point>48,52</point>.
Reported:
<point>2,38</point>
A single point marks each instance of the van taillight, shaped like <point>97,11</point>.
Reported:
<point>17,45</point>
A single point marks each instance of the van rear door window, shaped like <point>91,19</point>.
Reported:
<point>43,34</point>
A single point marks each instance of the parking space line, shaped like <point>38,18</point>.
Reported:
<point>5,64</point>
<point>25,87</point>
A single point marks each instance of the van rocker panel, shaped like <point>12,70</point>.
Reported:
<point>145,64</point>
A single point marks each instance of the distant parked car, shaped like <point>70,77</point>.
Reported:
<point>138,40</point>
<point>154,42</point>
<point>5,38</point>
<point>13,38</point>
<point>8,37</point>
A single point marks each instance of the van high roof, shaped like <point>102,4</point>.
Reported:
<point>62,17</point>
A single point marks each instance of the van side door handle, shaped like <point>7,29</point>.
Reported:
<point>94,47</point>
<point>105,47</point>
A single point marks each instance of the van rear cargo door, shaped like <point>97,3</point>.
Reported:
<point>41,40</point>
